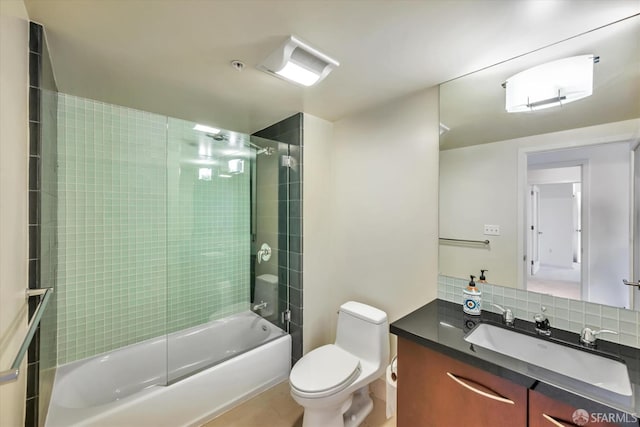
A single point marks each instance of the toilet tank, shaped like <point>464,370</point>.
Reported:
<point>364,332</point>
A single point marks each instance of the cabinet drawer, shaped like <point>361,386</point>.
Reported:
<point>436,390</point>
<point>547,412</point>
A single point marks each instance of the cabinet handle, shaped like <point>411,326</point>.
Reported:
<point>494,396</point>
<point>554,421</point>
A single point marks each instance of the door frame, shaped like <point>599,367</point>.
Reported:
<point>539,143</point>
<point>523,194</point>
<point>584,215</point>
<point>634,267</point>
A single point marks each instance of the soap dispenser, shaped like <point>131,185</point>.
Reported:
<point>482,278</point>
<point>472,298</point>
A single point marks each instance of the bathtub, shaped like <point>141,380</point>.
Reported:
<point>233,359</point>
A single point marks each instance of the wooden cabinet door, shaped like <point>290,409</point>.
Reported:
<point>547,412</point>
<point>435,390</point>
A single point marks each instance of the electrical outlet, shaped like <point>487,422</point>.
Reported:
<point>491,230</point>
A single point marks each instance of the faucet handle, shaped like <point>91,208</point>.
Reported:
<point>507,314</point>
<point>543,327</point>
<point>540,317</point>
<point>588,335</point>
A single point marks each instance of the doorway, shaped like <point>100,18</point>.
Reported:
<point>554,225</point>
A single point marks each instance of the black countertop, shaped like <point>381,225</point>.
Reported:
<point>442,325</point>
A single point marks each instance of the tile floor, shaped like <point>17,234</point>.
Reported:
<point>276,408</point>
<point>557,281</point>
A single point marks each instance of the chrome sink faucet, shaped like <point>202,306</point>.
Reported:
<point>507,315</point>
<point>543,327</point>
<point>588,336</point>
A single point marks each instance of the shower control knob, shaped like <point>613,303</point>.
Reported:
<point>264,254</point>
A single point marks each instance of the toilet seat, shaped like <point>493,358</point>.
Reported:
<point>324,371</point>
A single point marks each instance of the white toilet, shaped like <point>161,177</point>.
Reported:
<point>332,381</point>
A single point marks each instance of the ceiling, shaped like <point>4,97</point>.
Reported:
<point>173,56</point>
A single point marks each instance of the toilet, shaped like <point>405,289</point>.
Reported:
<point>267,291</point>
<point>332,381</point>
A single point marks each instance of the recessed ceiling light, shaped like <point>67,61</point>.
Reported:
<point>235,166</point>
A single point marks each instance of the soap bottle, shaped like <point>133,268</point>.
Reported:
<point>471,298</point>
<point>482,278</point>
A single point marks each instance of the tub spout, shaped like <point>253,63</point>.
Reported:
<point>260,306</point>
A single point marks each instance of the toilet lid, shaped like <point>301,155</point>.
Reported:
<point>327,367</point>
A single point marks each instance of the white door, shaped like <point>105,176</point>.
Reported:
<point>577,219</point>
<point>534,232</point>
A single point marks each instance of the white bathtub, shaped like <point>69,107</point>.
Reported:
<point>126,387</point>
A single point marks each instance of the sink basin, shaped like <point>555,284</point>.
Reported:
<point>602,372</point>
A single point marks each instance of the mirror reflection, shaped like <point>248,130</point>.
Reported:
<point>544,169</point>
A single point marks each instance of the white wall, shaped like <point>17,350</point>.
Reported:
<point>13,200</point>
<point>318,295</point>
<point>370,209</point>
<point>479,185</point>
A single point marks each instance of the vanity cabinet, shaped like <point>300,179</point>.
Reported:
<point>547,412</point>
<point>436,390</point>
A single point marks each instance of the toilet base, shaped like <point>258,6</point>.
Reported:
<point>350,413</point>
<point>361,406</point>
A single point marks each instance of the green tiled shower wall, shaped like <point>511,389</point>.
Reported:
<point>112,220</point>
<point>144,246</point>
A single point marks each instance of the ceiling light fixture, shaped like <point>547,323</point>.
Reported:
<point>235,166</point>
<point>551,84</point>
<point>204,174</point>
<point>298,62</point>
<point>206,129</point>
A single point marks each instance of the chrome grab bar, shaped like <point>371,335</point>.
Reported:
<point>483,242</point>
<point>45,294</point>
<point>628,283</point>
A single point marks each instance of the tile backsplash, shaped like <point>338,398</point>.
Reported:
<point>563,313</point>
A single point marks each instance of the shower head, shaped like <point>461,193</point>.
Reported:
<point>218,137</point>
<point>267,151</point>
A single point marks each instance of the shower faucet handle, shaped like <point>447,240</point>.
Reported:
<point>264,254</point>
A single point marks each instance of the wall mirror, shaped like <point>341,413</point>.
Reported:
<point>550,189</point>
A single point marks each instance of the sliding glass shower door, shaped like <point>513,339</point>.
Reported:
<point>168,235</point>
<point>222,212</point>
